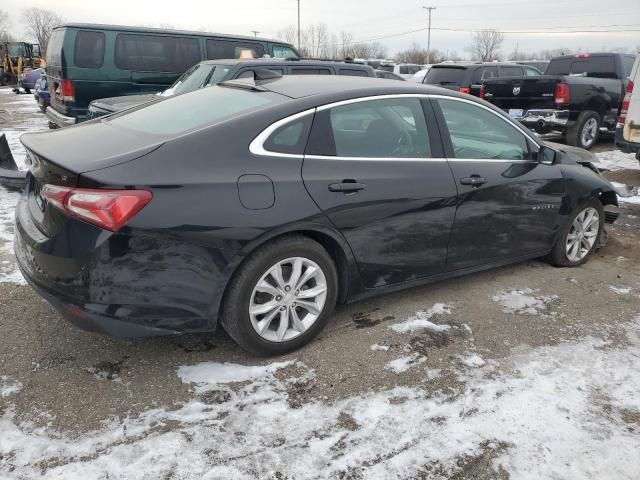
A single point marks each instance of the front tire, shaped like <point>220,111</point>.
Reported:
<point>584,133</point>
<point>281,297</point>
<point>579,238</point>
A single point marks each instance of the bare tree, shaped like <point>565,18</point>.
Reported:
<point>417,54</point>
<point>40,23</point>
<point>485,45</point>
<point>289,34</point>
<point>346,44</point>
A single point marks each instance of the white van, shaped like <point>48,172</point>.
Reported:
<point>628,126</point>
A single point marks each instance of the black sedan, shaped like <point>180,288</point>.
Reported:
<point>259,205</point>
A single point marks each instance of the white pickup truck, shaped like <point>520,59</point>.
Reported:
<point>628,126</point>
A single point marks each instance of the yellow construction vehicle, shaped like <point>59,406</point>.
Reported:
<point>15,57</point>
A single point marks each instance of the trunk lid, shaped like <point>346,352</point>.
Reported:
<point>522,92</point>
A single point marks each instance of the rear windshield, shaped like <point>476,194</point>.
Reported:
<point>600,67</point>
<point>197,109</point>
<point>445,75</point>
<point>54,49</point>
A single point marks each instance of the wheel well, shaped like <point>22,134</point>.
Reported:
<point>333,248</point>
<point>597,105</point>
<point>608,198</point>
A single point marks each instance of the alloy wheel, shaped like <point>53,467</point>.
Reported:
<point>288,299</point>
<point>589,132</point>
<point>583,234</point>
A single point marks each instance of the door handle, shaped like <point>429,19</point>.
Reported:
<point>473,180</point>
<point>346,186</point>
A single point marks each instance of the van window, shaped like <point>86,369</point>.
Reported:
<point>353,72</point>
<point>89,51</point>
<point>282,51</point>
<point>310,71</point>
<point>217,49</point>
<point>154,53</point>
<point>54,48</point>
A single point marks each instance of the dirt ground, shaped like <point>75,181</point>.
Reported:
<point>65,385</point>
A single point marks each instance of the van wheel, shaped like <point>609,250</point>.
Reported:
<point>580,236</point>
<point>584,133</point>
<point>281,296</point>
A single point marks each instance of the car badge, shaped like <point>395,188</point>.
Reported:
<point>516,90</point>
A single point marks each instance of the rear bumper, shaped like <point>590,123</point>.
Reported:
<point>123,284</point>
<point>544,120</point>
<point>624,145</point>
<point>59,119</point>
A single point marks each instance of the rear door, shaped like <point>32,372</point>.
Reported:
<point>376,170</point>
<point>508,202</point>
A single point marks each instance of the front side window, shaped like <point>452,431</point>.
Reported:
<point>283,51</point>
<point>218,49</point>
<point>477,133</point>
<point>485,73</point>
<point>155,53</point>
<point>389,128</point>
<point>89,51</point>
<point>510,71</point>
<point>531,72</point>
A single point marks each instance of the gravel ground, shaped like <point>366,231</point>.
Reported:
<point>527,371</point>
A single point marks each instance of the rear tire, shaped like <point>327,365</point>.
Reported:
<point>242,294</point>
<point>561,256</point>
<point>584,133</point>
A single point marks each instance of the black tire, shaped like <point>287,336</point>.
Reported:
<point>27,90</point>
<point>575,136</point>
<point>558,256</point>
<point>235,312</point>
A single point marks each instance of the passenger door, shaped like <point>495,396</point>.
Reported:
<point>508,202</point>
<point>377,172</point>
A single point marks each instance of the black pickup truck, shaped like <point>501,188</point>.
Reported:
<point>577,96</point>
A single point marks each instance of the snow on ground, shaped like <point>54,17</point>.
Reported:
<point>567,411</point>
<point>8,269</point>
<point>620,290</point>
<point>379,348</point>
<point>524,301</point>
<point>422,320</point>
<point>403,364</point>
<point>616,160</point>
<point>473,360</point>
<point>8,387</point>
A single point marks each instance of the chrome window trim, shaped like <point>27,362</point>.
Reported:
<point>374,159</point>
<point>257,145</point>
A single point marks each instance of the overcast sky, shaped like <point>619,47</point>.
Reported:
<point>370,19</point>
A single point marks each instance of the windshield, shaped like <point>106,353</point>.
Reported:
<point>445,76</point>
<point>16,49</point>
<point>197,109</point>
<point>198,76</point>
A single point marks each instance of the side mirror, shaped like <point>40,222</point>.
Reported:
<point>547,155</point>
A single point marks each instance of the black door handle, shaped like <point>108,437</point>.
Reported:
<point>346,186</point>
<point>473,180</point>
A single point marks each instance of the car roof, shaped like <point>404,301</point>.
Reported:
<point>275,61</point>
<point>476,65</point>
<point>295,86</point>
<point>127,28</point>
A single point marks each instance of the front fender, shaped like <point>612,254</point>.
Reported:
<point>581,184</point>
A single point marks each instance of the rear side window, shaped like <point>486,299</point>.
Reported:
<point>217,49</point>
<point>445,76</point>
<point>154,53</point>
<point>352,72</point>
<point>627,65</point>
<point>89,51</point>
<point>479,134</point>
<point>290,138</point>
<point>197,109</point>
<point>531,72</point>
<point>510,71</point>
<point>390,128</point>
<point>310,71</point>
<point>485,73</point>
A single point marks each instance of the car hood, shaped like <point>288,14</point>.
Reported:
<point>91,145</point>
<point>117,104</point>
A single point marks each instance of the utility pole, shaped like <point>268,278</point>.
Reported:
<point>428,34</point>
<point>298,24</point>
<point>255,32</point>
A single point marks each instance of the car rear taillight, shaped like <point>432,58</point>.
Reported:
<point>466,90</point>
<point>66,91</point>
<point>108,209</point>
<point>482,90</point>
<point>624,108</point>
<point>562,94</point>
